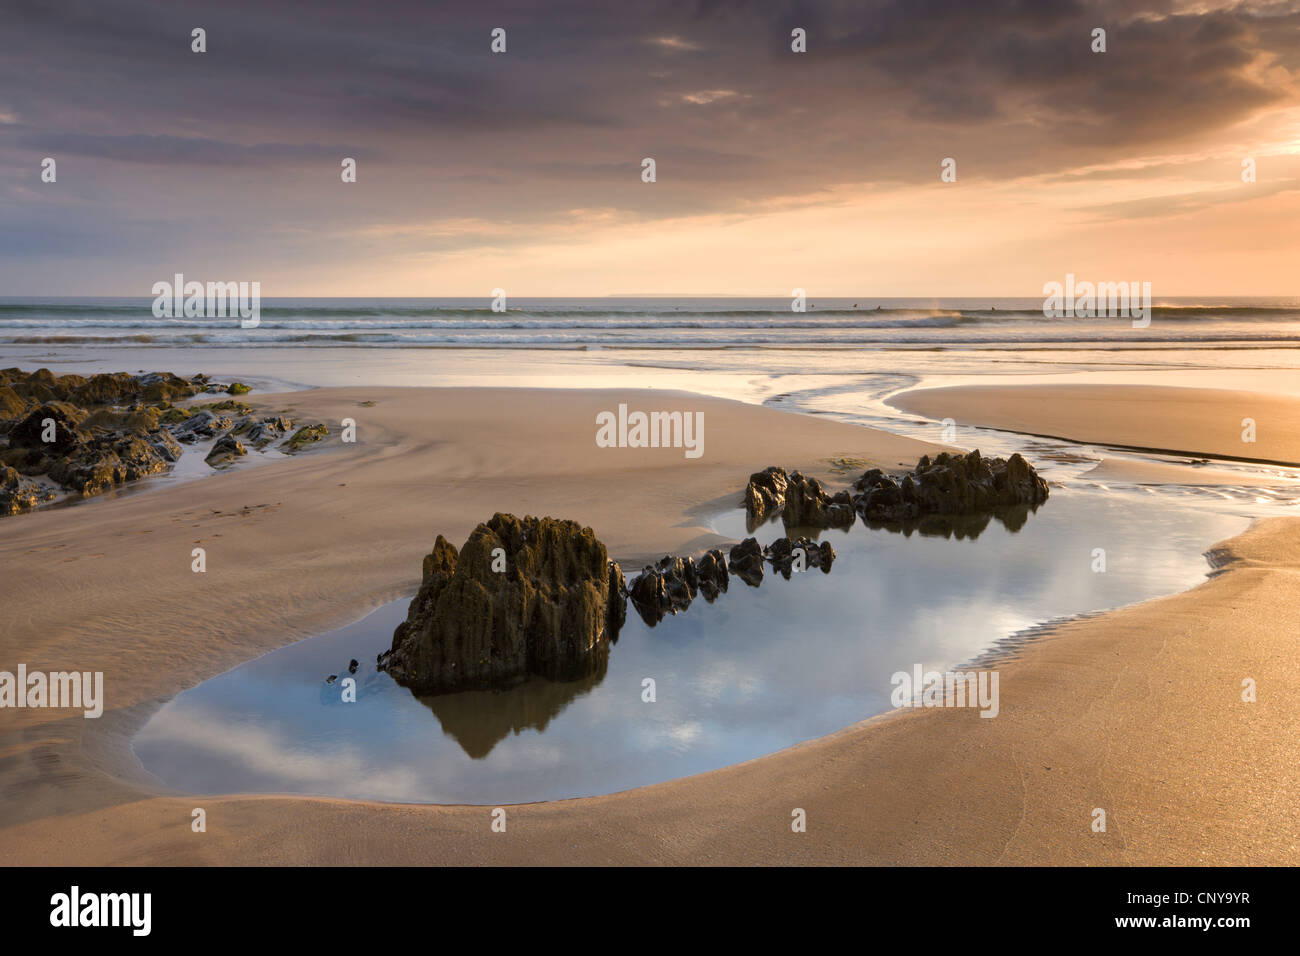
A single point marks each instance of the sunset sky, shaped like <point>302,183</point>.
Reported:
<point>775,169</point>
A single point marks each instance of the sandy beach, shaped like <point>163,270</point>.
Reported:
<point>1186,421</point>
<point>1138,711</point>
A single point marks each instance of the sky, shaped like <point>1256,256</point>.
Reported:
<point>775,170</point>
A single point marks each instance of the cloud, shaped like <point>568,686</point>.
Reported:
<point>674,44</point>
<point>189,150</point>
<point>447,131</point>
<point>705,97</point>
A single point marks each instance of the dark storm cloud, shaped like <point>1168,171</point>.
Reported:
<point>444,128</point>
<point>326,68</point>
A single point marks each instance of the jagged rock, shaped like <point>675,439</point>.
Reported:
<point>230,406</point>
<point>746,562</point>
<point>163,387</point>
<point>807,505</point>
<point>305,436</point>
<point>1017,483</point>
<point>140,419</point>
<point>764,495</point>
<point>106,389</point>
<point>138,457</point>
<point>109,388</point>
<point>664,588</point>
<point>165,445</point>
<point>87,473</point>
<point>19,458</point>
<point>949,485</point>
<point>679,575</point>
<point>200,426</point>
<point>95,466</point>
<point>107,429</point>
<point>649,595</point>
<point>18,494</point>
<point>711,571</point>
<point>550,612</point>
<point>31,431</point>
<point>788,555</point>
<point>801,501</point>
<point>35,386</point>
<point>617,600</point>
<point>226,450</point>
<point>262,433</point>
<point>11,403</point>
<point>170,415</point>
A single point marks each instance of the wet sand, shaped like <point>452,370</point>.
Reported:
<point>1186,421</point>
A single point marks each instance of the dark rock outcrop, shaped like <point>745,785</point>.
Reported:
<point>90,434</point>
<point>307,435</point>
<point>12,404</point>
<point>711,573</point>
<point>226,449</point>
<point>262,433</point>
<point>801,501</point>
<point>18,494</point>
<point>479,623</point>
<point>109,388</point>
<point>669,586</point>
<point>949,485</point>
<point>140,419</point>
<point>58,421</point>
<point>664,588</point>
<point>764,495</point>
<point>617,600</point>
<point>138,456</point>
<point>229,406</point>
<point>165,445</point>
<point>800,554</point>
<point>807,505</point>
<point>96,465</point>
<point>746,562</point>
<point>201,426</point>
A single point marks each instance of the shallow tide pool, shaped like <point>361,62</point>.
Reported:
<point>758,670</point>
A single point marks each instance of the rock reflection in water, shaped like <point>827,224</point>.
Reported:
<point>960,527</point>
<point>478,720</point>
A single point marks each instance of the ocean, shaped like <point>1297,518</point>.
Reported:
<point>655,323</point>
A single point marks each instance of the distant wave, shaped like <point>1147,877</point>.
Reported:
<point>1119,340</point>
<point>611,323</point>
<point>410,317</point>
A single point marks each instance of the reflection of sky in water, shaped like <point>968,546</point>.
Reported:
<point>757,671</point>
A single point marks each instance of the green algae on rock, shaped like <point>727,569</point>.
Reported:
<point>305,436</point>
